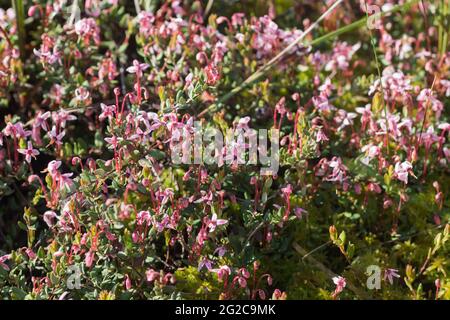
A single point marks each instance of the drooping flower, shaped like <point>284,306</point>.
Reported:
<point>339,171</point>
<point>151,275</point>
<point>89,259</point>
<point>220,251</point>
<point>127,282</point>
<point>53,167</point>
<point>426,97</point>
<point>30,253</point>
<point>113,142</point>
<point>402,170</point>
<point>223,272</point>
<point>87,29</point>
<point>65,182</point>
<point>3,260</point>
<point>340,283</point>
<point>143,217</point>
<point>107,112</point>
<point>40,120</point>
<point>49,216</point>
<point>56,137</point>
<point>212,74</point>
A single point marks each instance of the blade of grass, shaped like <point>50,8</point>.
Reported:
<point>137,6</point>
<point>20,19</point>
<point>208,8</point>
<point>443,26</point>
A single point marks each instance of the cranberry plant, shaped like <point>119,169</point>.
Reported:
<point>96,95</point>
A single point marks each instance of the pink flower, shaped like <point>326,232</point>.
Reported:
<point>223,272</point>
<point>261,294</point>
<point>29,152</point>
<point>342,54</point>
<point>322,104</point>
<point>107,111</point>
<point>401,171</point>
<point>89,259</point>
<point>56,137</point>
<point>287,191</point>
<point>220,251</point>
<point>146,21</point>
<point>3,260</point>
<point>30,253</point>
<point>137,68</point>
<point>366,114</point>
<point>143,217</point>
<point>212,74</point>
<point>280,107</point>
<point>340,285</point>
<point>62,116</point>
<point>40,120</point>
<point>339,170</point>
<point>82,94</point>
<point>107,69</point>
<point>151,275</point>
<point>113,142</point>
<point>53,167</point>
<point>127,282</point>
<point>371,152</point>
<point>389,275</point>
<point>242,282</point>
<point>202,236</point>
<point>16,130</point>
<point>344,118</point>
<point>214,222</point>
<point>426,97</point>
<point>205,263</point>
<point>321,136</point>
<point>65,182</point>
<point>278,295</point>
<point>49,216</point>
<point>446,85</point>
<point>237,19</point>
<point>88,29</point>
<point>327,87</point>
<point>299,212</point>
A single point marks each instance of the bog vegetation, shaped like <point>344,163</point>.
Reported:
<point>94,95</point>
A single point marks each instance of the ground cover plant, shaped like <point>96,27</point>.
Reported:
<point>97,97</point>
